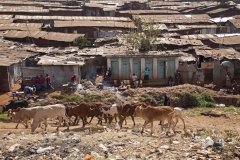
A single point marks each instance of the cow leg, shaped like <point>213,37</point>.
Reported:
<point>17,124</point>
<point>45,124</point>
<point>125,122</point>
<point>115,119</point>
<point>105,118</point>
<point>90,120</point>
<point>26,123</point>
<point>75,120</point>
<point>144,125</point>
<point>170,125</point>
<point>175,122</point>
<point>183,122</point>
<point>60,121</point>
<point>133,120</point>
<point>151,127</point>
<point>67,121</point>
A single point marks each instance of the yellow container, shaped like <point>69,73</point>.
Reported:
<point>127,82</point>
<point>140,81</point>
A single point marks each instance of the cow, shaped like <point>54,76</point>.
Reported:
<point>50,111</point>
<point>15,105</point>
<point>113,111</point>
<point>150,114</point>
<point>22,115</point>
<point>82,111</point>
<point>177,115</point>
<point>129,109</point>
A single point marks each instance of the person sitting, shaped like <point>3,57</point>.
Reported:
<point>122,86</point>
<point>134,80</point>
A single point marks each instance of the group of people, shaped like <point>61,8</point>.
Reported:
<point>43,82</point>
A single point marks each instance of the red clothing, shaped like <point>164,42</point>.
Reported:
<point>37,81</point>
<point>73,79</point>
<point>43,80</point>
<point>48,79</point>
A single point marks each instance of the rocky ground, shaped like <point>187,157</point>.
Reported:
<point>205,137</point>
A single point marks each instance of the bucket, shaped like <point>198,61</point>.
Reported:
<point>140,81</point>
<point>128,86</point>
<point>127,82</point>
<point>114,81</point>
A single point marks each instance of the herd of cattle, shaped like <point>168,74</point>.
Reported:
<point>19,112</point>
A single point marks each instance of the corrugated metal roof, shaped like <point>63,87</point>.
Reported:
<point>176,18</point>
<point>72,18</point>
<point>198,36</point>
<point>149,11</point>
<point>235,22</point>
<point>54,36</point>
<point>220,53</point>
<point>233,40</point>
<point>69,60</point>
<point>196,26</point>
<point>20,26</point>
<point>221,19</point>
<point>94,24</point>
<point>180,42</point>
<point>31,9</point>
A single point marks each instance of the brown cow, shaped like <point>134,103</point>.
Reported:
<point>83,109</point>
<point>150,114</point>
<point>129,109</point>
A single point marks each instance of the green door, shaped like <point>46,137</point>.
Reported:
<point>125,69</point>
<point>149,65</point>
<point>137,67</point>
<point>114,68</point>
<point>161,69</point>
<point>171,68</point>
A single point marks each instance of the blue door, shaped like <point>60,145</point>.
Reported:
<point>149,65</point>
<point>114,68</point>
<point>161,69</point>
<point>171,68</point>
<point>137,67</point>
<point>125,69</point>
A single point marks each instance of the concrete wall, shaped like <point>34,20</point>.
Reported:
<point>61,74</point>
<point>155,66</point>
<point>89,70</point>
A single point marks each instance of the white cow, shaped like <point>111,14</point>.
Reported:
<point>50,111</point>
<point>22,115</point>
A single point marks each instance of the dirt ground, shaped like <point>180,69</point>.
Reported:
<point>192,123</point>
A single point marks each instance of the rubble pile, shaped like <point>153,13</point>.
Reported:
<point>104,142</point>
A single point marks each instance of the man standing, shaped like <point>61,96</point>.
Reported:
<point>166,102</point>
<point>177,75</point>
<point>43,81</point>
<point>228,81</point>
<point>48,81</point>
<point>73,78</point>
<point>146,74</point>
<point>108,74</point>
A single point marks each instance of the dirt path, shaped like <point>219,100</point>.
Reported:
<point>4,97</point>
<point>192,123</point>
